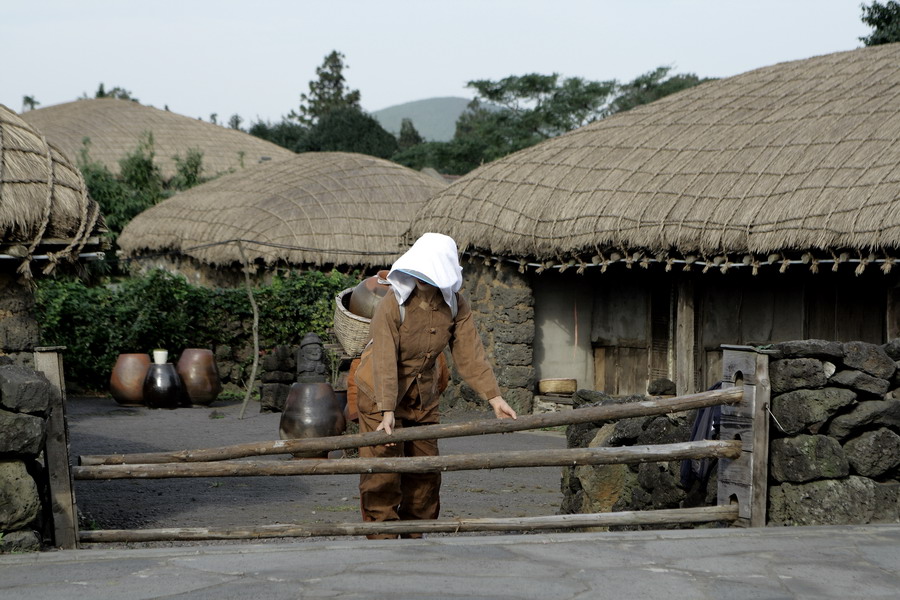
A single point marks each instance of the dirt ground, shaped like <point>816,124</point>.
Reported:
<point>101,426</point>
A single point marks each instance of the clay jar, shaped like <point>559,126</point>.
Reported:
<point>199,375</point>
<point>311,410</point>
<point>367,294</point>
<point>126,383</point>
<point>162,387</point>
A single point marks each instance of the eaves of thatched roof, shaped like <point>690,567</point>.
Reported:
<point>316,208</point>
<point>116,127</point>
<point>795,161</point>
<point>44,205</point>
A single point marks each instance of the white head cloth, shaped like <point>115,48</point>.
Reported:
<point>434,259</point>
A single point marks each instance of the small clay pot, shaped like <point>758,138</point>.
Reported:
<point>367,294</point>
<point>162,387</point>
<point>311,410</point>
<point>199,375</point>
<point>126,382</point>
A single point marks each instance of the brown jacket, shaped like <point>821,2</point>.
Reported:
<point>405,354</point>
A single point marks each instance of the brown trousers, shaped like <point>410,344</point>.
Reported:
<point>397,496</point>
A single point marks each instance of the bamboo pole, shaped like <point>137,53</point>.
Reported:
<point>420,464</point>
<point>325,444</point>
<point>703,514</point>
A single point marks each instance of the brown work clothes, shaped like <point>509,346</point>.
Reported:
<point>405,379</point>
<point>405,354</point>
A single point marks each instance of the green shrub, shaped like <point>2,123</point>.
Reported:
<point>162,310</point>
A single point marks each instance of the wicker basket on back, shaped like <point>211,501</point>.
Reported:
<point>352,331</point>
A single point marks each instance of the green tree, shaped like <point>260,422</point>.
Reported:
<point>649,87</point>
<point>349,129</point>
<point>234,122</point>
<point>885,20</point>
<point>327,93</point>
<point>29,103</point>
<point>287,134</point>
<point>409,135</point>
<point>116,92</point>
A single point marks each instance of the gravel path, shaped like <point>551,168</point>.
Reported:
<point>101,426</point>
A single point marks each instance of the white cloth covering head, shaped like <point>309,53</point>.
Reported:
<point>433,259</point>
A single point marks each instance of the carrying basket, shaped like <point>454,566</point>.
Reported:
<point>352,331</point>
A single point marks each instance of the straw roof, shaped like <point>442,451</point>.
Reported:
<point>116,127</point>
<point>315,208</point>
<point>43,199</point>
<point>800,156</point>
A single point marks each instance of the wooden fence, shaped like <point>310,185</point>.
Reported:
<point>742,452</point>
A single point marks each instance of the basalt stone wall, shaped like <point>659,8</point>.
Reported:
<point>503,307</point>
<point>25,400</point>
<point>285,365</point>
<point>834,452</point>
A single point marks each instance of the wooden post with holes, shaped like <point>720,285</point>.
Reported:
<point>48,361</point>
<point>745,480</point>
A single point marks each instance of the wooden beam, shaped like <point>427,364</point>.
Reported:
<point>685,339</point>
<point>704,514</point>
<point>591,414</point>
<point>420,464</point>
<point>48,361</point>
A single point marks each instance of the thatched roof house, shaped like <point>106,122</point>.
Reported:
<point>45,211</point>
<point>116,127</point>
<point>320,209</point>
<point>784,172</point>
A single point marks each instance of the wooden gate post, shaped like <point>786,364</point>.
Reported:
<point>745,480</point>
<point>48,361</point>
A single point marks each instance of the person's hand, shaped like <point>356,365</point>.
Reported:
<point>387,422</point>
<point>502,410</point>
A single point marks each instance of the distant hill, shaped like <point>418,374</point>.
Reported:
<point>434,118</point>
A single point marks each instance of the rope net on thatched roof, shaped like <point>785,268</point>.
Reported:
<point>43,198</point>
<point>317,208</point>
<point>793,158</point>
<point>116,127</point>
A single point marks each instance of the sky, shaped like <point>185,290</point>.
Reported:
<point>255,58</point>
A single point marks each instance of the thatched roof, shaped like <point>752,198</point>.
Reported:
<point>43,199</point>
<point>800,156</point>
<point>116,127</point>
<point>316,208</point>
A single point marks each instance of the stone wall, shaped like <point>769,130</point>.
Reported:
<point>25,400</point>
<point>503,307</point>
<point>834,453</point>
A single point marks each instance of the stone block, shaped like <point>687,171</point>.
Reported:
<point>887,502</point>
<point>19,500</point>
<point>504,297</point>
<point>873,453</point>
<point>869,358</point>
<point>25,390</point>
<point>511,376</point>
<point>512,333</point>
<point>796,373</point>
<point>277,377</point>
<point>801,409</point>
<point>19,333</point>
<point>811,348</point>
<point>516,315</point>
<point>272,396</point>
<point>521,400</point>
<point>23,540</point>
<point>544,404</point>
<point>513,354</point>
<point>807,457</point>
<point>868,414</point>
<point>892,349</point>
<point>21,434</point>
<point>861,382</point>
<point>849,501</point>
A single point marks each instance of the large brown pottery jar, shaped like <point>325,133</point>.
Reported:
<point>367,294</point>
<point>126,383</point>
<point>311,410</point>
<point>199,375</point>
<point>162,387</point>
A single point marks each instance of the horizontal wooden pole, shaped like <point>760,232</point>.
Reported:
<point>419,464</point>
<point>703,514</point>
<point>589,414</point>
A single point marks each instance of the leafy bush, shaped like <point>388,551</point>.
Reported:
<point>163,310</point>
